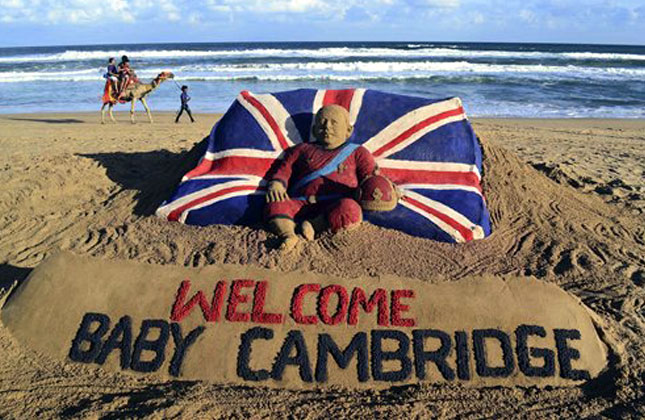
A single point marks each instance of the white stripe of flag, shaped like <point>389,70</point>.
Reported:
<point>259,118</point>
<point>428,166</point>
<point>478,232</point>
<point>164,211</point>
<point>405,122</point>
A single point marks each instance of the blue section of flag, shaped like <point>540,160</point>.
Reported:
<point>451,143</point>
<point>298,105</point>
<point>237,129</point>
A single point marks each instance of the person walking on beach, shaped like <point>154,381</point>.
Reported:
<point>184,104</point>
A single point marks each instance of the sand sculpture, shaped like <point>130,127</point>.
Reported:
<point>427,147</point>
<point>328,173</point>
<point>563,235</point>
<point>136,91</point>
<point>239,324</point>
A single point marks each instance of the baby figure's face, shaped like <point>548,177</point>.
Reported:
<point>331,127</point>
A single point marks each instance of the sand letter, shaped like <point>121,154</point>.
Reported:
<point>358,345</point>
<point>401,354</point>
<point>257,313</point>
<point>244,354</point>
<point>297,303</point>
<point>397,307</point>
<point>158,346</point>
<point>566,353</point>
<point>120,337</point>
<point>181,345</point>
<point>180,310</point>
<point>235,299</point>
<point>341,307</point>
<point>481,363</point>
<point>461,348</point>
<point>524,353</point>
<point>94,338</point>
<point>301,359</point>
<point>438,357</point>
<point>379,297</point>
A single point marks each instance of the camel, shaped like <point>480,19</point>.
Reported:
<point>135,91</point>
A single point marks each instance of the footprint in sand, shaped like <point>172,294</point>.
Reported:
<point>638,278</point>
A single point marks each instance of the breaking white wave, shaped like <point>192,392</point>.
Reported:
<point>506,80</point>
<point>396,67</point>
<point>63,76</point>
<point>344,71</point>
<point>85,75</point>
<point>331,52</point>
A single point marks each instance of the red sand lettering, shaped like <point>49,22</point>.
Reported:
<point>379,297</point>
<point>181,309</point>
<point>235,298</point>
<point>333,304</point>
<point>297,302</point>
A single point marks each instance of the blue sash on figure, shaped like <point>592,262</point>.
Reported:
<point>329,168</point>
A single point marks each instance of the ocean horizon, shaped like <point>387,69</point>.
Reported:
<point>532,80</point>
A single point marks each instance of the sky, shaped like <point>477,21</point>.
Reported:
<point>79,22</point>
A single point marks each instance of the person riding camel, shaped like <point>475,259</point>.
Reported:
<point>315,182</point>
<point>126,75</point>
<point>112,74</point>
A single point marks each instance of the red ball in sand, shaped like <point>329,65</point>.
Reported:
<point>377,193</point>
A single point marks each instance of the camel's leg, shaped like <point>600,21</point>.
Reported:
<point>132,111</point>
<point>110,107</point>
<point>145,105</point>
<point>103,113</point>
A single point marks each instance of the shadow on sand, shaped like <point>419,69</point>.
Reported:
<point>154,175</point>
<point>10,273</point>
<point>11,276</point>
<point>49,120</point>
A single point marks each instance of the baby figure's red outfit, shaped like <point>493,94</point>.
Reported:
<point>330,194</point>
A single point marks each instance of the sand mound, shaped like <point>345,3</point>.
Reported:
<point>542,228</point>
<point>248,335</point>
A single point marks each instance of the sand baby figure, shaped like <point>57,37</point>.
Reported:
<point>315,183</point>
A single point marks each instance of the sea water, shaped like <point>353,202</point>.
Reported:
<point>492,79</point>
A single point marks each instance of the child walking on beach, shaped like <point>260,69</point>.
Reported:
<point>184,104</point>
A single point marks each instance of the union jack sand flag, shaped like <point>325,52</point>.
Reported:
<point>427,147</point>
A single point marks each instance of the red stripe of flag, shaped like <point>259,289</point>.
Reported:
<point>416,176</point>
<point>465,232</point>
<point>173,216</point>
<point>268,117</point>
<point>342,97</point>
<point>418,126</point>
<point>239,165</point>
<point>201,169</point>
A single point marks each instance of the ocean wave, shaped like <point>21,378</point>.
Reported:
<point>85,75</point>
<point>428,77</point>
<point>346,71</point>
<point>30,76</point>
<point>395,67</point>
<point>331,52</point>
<point>306,78</point>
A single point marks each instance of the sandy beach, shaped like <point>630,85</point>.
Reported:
<point>567,202</point>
